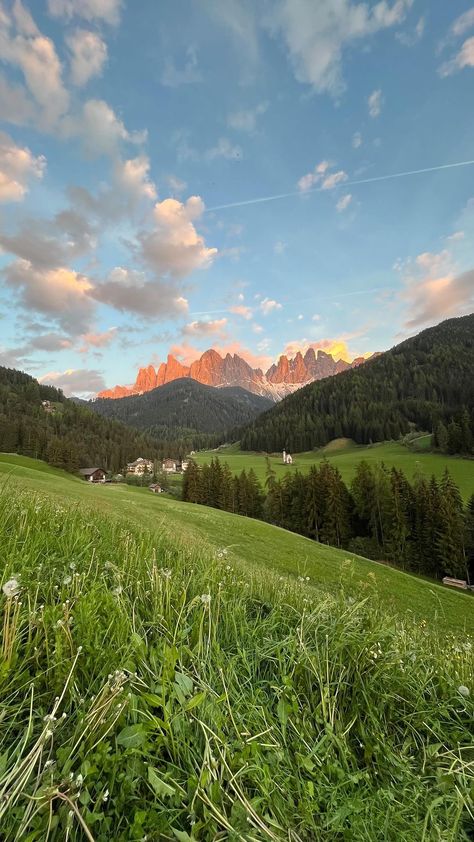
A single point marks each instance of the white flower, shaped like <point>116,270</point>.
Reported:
<point>166,573</point>
<point>464,691</point>
<point>67,580</point>
<point>206,599</point>
<point>11,588</point>
<point>105,795</point>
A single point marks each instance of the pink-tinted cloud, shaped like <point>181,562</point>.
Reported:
<point>241,310</point>
<point>215,327</point>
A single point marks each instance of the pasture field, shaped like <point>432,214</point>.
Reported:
<point>346,455</point>
<point>167,672</point>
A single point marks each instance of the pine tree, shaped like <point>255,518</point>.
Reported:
<point>451,528</point>
<point>469,539</point>
<point>441,437</point>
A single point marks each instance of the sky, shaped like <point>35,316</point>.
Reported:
<point>253,177</point>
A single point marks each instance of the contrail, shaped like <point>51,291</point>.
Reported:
<point>354,183</point>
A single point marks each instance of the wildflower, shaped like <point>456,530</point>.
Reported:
<point>105,795</point>
<point>11,588</point>
<point>118,590</point>
<point>464,691</point>
<point>67,580</point>
<point>206,599</point>
<point>166,573</point>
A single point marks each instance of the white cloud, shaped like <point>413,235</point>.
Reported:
<point>279,247</point>
<point>60,293</point>
<point>176,185</point>
<point>331,181</point>
<point>433,290</point>
<point>269,305</point>
<point>257,328</point>
<point>458,235</point>
<point>100,130</point>
<point>224,149</point>
<point>344,202</point>
<point>216,327</point>
<point>409,39</point>
<point>173,247</point>
<point>80,382</point>
<point>317,33</point>
<point>464,58</point>
<point>246,119</point>
<point>356,140</point>
<point>97,339</point>
<point>22,45</point>
<point>15,103</point>
<point>241,310</point>
<point>173,76</point>
<point>106,10</point>
<point>131,292</point>
<point>375,102</point>
<point>17,166</point>
<point>88,55</point>
<point>133,177</point>
<point>308,181</point>
<point>463,23</point>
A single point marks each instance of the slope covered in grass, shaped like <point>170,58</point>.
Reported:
<point>154,688</point>
<point>347,457</point>
<point>253,545</point>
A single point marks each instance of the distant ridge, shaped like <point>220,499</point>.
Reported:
<point>212,369</point>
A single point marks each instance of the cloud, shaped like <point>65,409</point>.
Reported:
<point>189,74</point>
<point>433,290</point>
<point>337,347</point>
<point>356,140</point>
<point>375,102</point>
<point>60,293</point>
<point>23,46</point>
<point>241,310</point>
<point>246,120</point>
<point>185,353</point>
<point>106,10</point>
<point>15,104</point>
<point>331,181</point>
<point>17,166</point>
<point>463,23</point>
<point>257,328</point>
<point>97,340</point>
<point>464,58</point>
<point>173,246</point>
<point>131,292</point>
<point>317,34</point>
<point>224,149</point>
<point>51,342</point>
<point>344,202</point>
<point>308,181</point>
<point>458,235</point>
<point>217,327</point>
<point>269,305</point>
<point>88,55</point>
<point>133,178</point>
<point>176,185</point>
<point>409,39</point>
<point>279,247</point>
<point>82,382</point>
<point>99,128</point>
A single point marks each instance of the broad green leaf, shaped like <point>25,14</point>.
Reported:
<point>159,786</point>
<point>132,736</point>
<point>195,701</point>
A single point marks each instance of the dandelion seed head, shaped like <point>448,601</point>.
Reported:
<point>11,588</point>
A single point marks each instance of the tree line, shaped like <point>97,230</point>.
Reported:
<point>421,526</point>
<point>425,383</point>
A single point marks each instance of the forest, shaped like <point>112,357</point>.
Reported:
<point>425,383</point>
<point>70,436</point>
<point>420,526</point>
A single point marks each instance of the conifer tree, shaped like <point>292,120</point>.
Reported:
<point>451,528</point>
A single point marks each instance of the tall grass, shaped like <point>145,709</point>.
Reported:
<point>149,691</point>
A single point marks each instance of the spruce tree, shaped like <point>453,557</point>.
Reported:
<point>451,528</point>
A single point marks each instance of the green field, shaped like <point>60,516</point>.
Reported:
<point>346,455</point>
<point>257,547</point>
<point>168,672</point>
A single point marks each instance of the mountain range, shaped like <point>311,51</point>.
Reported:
<point>211,369</point>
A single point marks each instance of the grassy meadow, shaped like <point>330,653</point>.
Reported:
<point>169,672</point>
<point>345,454</point>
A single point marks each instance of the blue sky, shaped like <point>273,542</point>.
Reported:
<point>176,176</point>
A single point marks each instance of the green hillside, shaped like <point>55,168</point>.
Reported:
<point>256,546</point>
<point>166,674</point>
<point>425,380</point>
<point>346,455</point>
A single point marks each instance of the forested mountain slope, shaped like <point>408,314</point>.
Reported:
<point>65,434</point>
<point>423,381</point>
<point>185,403</point>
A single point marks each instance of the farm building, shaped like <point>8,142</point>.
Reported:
<point>155,488</point>
<point>92,474</point>
<point>169,466</point>
<point>141,466</point>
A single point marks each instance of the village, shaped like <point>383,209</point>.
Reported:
<point>140,469</point>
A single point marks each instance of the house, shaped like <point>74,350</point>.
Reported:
<point>155,488</point>
<point>287,458</point>
<point>92,474</point>
<point>169,466</point>
<point>455,583</point>
<point>141,466</point>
